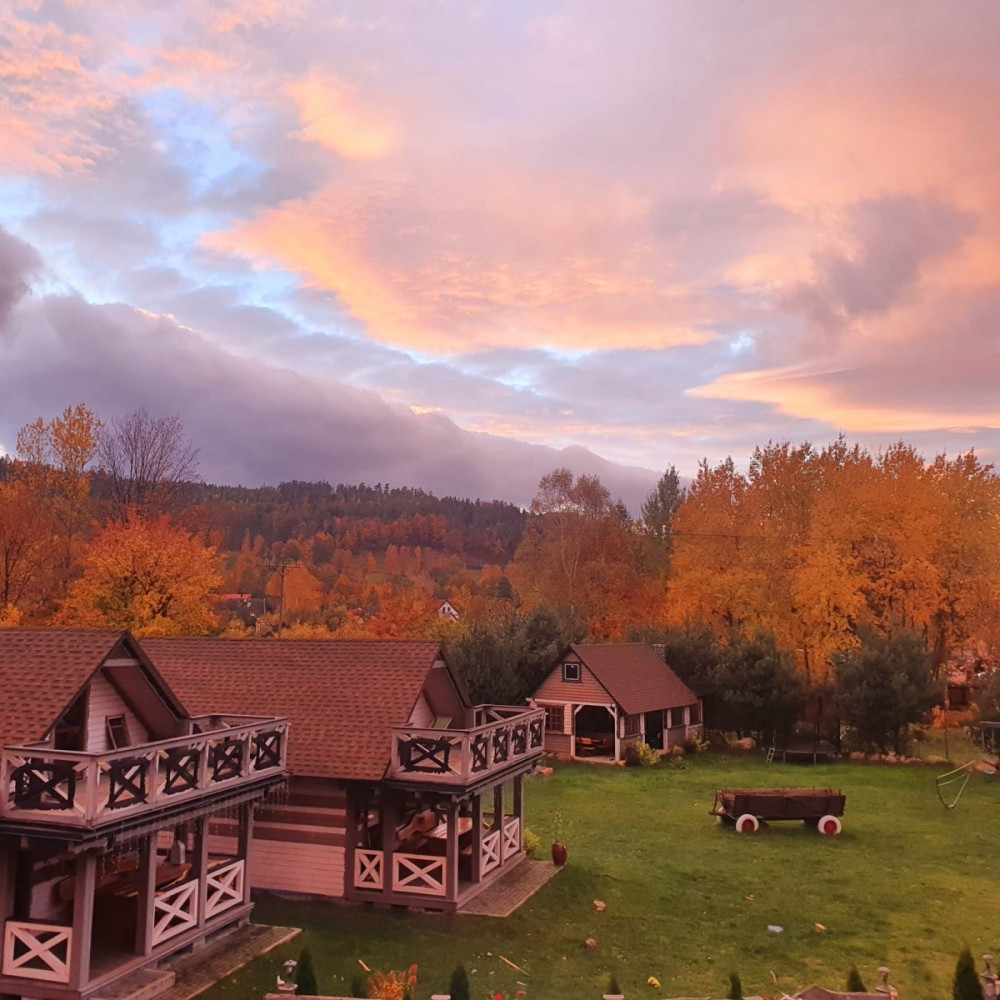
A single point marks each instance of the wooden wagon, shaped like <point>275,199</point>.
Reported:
<point>747,807</point>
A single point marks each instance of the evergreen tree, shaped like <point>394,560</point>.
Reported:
<point>854,982</point>
<point>458,985</point>
<point>967,985</point>
<point>305,975</point>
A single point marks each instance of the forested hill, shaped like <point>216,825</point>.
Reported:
<point>359,518</point>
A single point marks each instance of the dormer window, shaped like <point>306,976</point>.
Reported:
<point>571,672</point>
<point>117,732</point>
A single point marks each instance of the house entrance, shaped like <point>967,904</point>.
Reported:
<point>595,732</point>
<point>654,730</point>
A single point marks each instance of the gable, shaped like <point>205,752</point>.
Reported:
<point>558,686</point>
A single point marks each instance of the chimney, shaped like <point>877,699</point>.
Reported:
<point>660,648</point>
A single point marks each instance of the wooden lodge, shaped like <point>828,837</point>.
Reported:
<point>600,699</point>
<point>107,790</point>
<point>401,791</point>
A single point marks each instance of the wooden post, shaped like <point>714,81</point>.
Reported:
<point>8,876</point>
<point>199,862</point>
<point>477,837</point>
<point>451,858</point>
<point>245,846</point>
<point>519,809</point>
<point>498,807</point>
<point>146,898</point>
<point>83,919</point>
<point>390,814</point>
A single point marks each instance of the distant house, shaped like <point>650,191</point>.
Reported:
<point>107,790</point>
<point>600,699</point>
<point>445,609</point>
<point>401,790</point>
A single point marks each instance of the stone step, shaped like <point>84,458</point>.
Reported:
<point>143,984</point>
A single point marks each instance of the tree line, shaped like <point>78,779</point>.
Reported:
<point>768,587</point>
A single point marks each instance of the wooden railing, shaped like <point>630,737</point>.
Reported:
<point>506,736</point>
<point>224,888</point>
<point>33,950</point>
<point>368,867</point>
<point>175,910</point>
<point>490,856</point>
<point>511,836</point>
<point>418,873</point>
<point>83,789</point>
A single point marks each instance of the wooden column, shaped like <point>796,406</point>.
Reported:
<point>390,816</point>
<point>83,919</point>
<point>477,837</point>
<point>244,847</point>
<point>146,896</point>
<point>8,876</point>
<point>519,809</point>
<point>498,807</point>
<point>199,863</point>
<point>451,858</point>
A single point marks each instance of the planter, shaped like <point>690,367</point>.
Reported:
<point>559,854</point>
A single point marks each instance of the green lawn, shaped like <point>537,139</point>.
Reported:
<point>907,884</point>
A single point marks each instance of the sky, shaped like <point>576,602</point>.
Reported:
<point>459,244</point>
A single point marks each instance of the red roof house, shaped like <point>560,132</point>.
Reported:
<point>601,699</point>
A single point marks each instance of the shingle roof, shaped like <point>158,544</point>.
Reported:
<point>635,676</point>
<point>40,674</point>
<point>341,698</point>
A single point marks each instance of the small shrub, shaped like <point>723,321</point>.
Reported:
<point>735,987</point>
<point>532,842</point>
<point>393,985</point>
<point>632,755</point>
<point>693,745</point>
<point>642,754</point>
<point>458,985</point>
<point>967,985</point>
<point>305,975</point>
<point>854,981</point>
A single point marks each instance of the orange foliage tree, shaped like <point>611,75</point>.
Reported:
<point>146,575</point>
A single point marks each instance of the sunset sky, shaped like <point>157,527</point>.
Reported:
<point>440,243</point>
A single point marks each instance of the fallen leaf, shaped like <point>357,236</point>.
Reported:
<point>654,982</point>
<point>599,905</point>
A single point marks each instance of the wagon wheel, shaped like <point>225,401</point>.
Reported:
<point>829,826</point>
<point>747,823</point>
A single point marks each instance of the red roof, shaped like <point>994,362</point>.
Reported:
<point>635,675</point>
<point>342,698</point>
<point>42,671</point>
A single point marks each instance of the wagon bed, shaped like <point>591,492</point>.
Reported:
<point>747,806</point>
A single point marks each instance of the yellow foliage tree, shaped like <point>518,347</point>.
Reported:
<point>149,576</point>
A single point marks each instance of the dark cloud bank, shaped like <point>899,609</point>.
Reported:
<point>254,423</point>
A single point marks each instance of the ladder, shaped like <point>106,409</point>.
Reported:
<point>770,755</point>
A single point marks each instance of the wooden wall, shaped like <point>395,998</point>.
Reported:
<point>105,701</point>
<point>299,844</point>
<point>586,691</point>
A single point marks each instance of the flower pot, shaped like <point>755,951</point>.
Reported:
<point>558,854</point>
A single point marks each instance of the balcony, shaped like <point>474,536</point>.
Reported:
<point>89,790</point>
<point>504,736</point>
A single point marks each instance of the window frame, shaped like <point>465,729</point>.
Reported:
<point>577,666</point>
<point>551,714</point>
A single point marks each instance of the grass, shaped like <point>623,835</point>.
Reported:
<point>907,884</point>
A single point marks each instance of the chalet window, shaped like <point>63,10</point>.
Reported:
<point>553,718</point>
<point>117,731</point>
<point>676,717</point>
<point>695,714</point>
<point>571,672</point>
<point>631,725</point>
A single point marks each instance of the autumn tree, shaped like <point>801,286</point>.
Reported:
<point>147,575</point>
<point>54,463</point>
<point>580,555</point>
<point>146,460</point>
<point>25,547</point>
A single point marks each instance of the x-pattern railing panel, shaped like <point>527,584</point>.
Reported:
<point>490,857</point>
<point>37,951</point>
<point>368,869</point>
<point>419,874</point>
<point>226,759</point>
<point>511,836</point>
<point>175,910</point>
<point>127,782</point>
<point>45,784</point>
<point>224,887</point>
<point>267,750</point>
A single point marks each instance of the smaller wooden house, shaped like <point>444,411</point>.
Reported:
<point>600,699</point>
<point>107,788</point>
